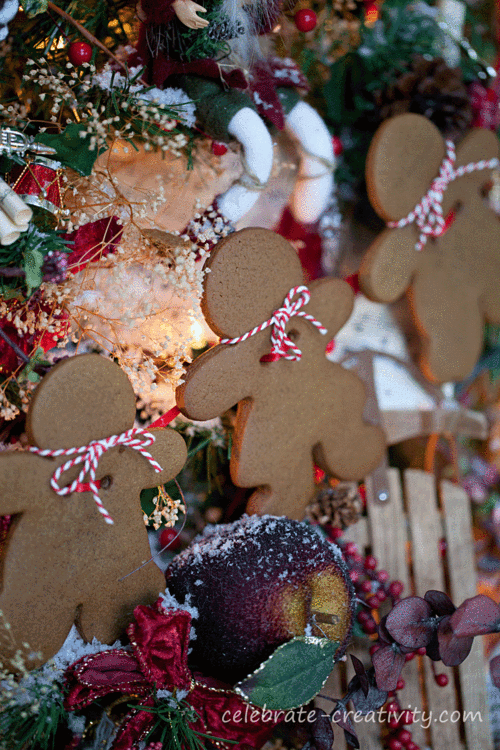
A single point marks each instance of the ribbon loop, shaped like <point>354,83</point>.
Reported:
<point>428,213</point>
<point>136,438</point>
<point>282,345</point>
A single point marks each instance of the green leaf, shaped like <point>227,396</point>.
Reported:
<point>72,149</point>
<point>292,675</point>
<point>32,265</point>
<point>33,7</point>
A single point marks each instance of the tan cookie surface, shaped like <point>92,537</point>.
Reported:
<point>453,282</point>
<point>288,411</point>
<point>62,563</point>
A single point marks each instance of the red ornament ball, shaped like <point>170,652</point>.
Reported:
<point>305,19</point>
<point>441,680</point>
<point>79,53</point>
<point>219,148</point>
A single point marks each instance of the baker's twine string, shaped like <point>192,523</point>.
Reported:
<point>136,438</point>
<point>282,345</point>
<point>428,214</point>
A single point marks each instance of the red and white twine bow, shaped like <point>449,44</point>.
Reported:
<point>282,345</point>
<point>428,214</point>
<point>89,455</point>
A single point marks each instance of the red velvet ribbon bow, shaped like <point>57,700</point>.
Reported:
<point>158,660</point>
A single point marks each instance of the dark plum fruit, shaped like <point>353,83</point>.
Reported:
<point>257,583</point>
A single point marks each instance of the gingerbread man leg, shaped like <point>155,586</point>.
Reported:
<point>315,181</point>
<point>249,129</point>
<point>289,493</point>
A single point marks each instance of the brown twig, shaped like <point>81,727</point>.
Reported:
<point>83,31</point>
<point>12,272</point>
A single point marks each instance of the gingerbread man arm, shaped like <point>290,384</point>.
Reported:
<point>21,478</point>
<point>170,451</point>
<point>388,267</point>
<point>215,381</point>
<point>331,303</point>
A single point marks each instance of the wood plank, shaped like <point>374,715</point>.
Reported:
<point>425,530</point>
<point>388,531</point>
<point>359,534</point>
<point>462,573</point>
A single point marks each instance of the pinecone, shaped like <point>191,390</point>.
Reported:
<point>339,506</point>
<point>432,89</point>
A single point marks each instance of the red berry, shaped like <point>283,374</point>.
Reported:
<point>167,537</point>
<point>354,576</point>
<point>371,562</point>
<point>407,717</point>
<point>396,588</point>
<point>412,746</point>
<point>219,148</point>
<point>338,148</point>
<point>350,549</point>
<point>382,576</point>
<point>336,533</point>
<point>366,586</point>
<point>410,656</point>
<point>363,616</point>
<point>442,547</point>
<point>393,722</point>
<point>374,648</point>
<point>401,684</point>
<point>421,651</point>
<point>305,19</point>
<point>370,627</point>
<point>79,53</point>
<point>393,707</point>
<point>441,680</point>
<point>394,744</point>
<point>381,595</point>
<point>404,736</point>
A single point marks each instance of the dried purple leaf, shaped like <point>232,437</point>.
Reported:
<point>476,616</point>
<point>360,670</point>
<point>371,702</point>
<point>452,649</point>
<point>388,662</point>
<point>410,622</point>
<point>340,715</point>
<point>440,602</point>
<point>495,671</point>
<point>322,731</point>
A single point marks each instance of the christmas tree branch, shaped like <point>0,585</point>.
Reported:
<point>83,31</point>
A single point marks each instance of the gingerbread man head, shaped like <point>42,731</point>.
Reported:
<point>291,408</point>
<point>62,563</point>
<point>449,267</point>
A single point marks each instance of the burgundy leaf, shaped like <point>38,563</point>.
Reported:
<point>476,616</point>
<point>383,633</point>
<point>322,731</point>
<point>495,671</point>
<point>452,650</point>
<point>440,602</point>
<point>432,648</point>
<point>410,623</point>
<point>371,702</point>
<point>360,670</point>
<point>341,717</point>
<point>388,662</point>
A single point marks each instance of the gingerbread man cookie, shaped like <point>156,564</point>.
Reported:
<point>62,561</point>
<point>442,244</point>
<point>292,407</point>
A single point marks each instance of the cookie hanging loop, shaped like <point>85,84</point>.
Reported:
<point>428,213</point>
<point>282,345</point>
<point>89,455</point>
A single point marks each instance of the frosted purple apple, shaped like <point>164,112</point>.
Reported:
<point>257,583</point>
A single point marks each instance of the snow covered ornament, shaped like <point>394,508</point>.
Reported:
<point>257,583</point>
